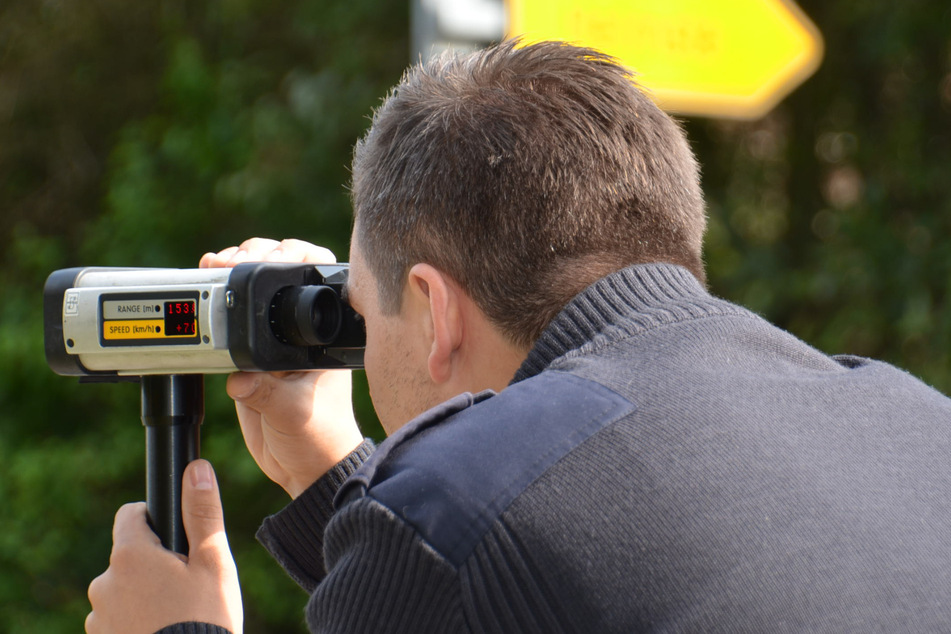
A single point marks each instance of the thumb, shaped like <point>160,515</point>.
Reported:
<point>202,513</point>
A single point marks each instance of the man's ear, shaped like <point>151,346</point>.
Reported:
<point>440,295</point>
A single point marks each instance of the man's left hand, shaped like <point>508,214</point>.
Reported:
<point>148,587</point>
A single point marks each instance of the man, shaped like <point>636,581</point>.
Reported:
<point>581,437</point>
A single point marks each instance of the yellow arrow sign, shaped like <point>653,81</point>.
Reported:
<point>721,58</point>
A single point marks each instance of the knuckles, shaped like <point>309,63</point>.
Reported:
<point>128,513</point>
<point>246,387</point>
<point>96,590</point>
<point>123,560</point>
<point>253,245</point>
<point>266,249</point>
<point>92,623</point>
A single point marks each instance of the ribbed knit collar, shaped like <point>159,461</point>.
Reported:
<point>627,302</point>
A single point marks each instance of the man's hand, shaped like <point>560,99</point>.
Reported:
<point>297,425</point>
<point>148,587</point>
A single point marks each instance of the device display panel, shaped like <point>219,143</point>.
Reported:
<point>149,319</point>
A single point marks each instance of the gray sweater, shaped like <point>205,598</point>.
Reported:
<point>663,460</point>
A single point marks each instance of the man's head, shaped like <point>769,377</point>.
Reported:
<point>525,174</point>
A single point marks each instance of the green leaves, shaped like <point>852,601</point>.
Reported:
<point>145,135</point>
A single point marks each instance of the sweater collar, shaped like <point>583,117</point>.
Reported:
<point>624,303</point>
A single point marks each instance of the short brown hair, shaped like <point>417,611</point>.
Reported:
<point>525,173</point>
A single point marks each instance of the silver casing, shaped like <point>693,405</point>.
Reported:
<point>84,314</point>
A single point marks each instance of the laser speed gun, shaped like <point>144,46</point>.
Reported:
<point>166,328</point>
<point>257,316</point>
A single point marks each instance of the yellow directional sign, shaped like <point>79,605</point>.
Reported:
<point>719,58</point>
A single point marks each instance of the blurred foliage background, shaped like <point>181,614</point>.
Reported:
<point>144,134</point>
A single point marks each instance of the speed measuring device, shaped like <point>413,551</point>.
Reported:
<point>106,321</point>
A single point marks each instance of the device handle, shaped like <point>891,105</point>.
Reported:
<point>173,407</point>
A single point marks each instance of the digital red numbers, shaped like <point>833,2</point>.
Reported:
<point>180,319</point>
<point>180,308</point>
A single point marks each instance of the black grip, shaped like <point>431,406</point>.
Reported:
<point>173,407</point>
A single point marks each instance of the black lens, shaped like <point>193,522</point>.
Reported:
<point>306,315</point>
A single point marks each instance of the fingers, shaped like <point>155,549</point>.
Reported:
<point>147,588</point>
<point>267,250</point>
<point>253,250</point>
<point>136,548</point>
<point>243,385</point>
<point>296,425</point>
<point>131,526</point>
<point>299,251</point>
<point>287,396</point>
<point>217,260</point>
<point>203,516</point>
<point>91,626</point>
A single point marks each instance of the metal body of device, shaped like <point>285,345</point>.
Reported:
<point>256,316</point>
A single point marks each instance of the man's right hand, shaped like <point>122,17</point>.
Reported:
<point>297,425</point>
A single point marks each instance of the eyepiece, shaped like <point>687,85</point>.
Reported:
<point>306,315</point>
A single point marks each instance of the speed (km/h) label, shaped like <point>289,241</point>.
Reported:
<point>133,329</point>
